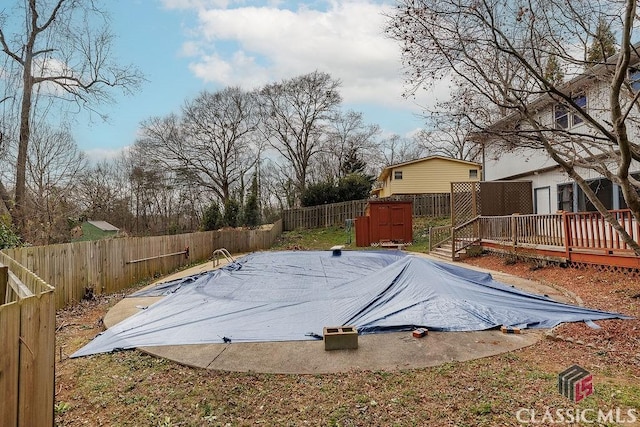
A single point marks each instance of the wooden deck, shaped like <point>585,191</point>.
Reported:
<point>584,237</point>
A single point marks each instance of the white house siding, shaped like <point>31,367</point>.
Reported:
<point>510,164</point>
<point>536,166</point>
<point>552,180</point>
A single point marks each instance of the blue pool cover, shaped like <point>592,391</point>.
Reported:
<point>287,296</point>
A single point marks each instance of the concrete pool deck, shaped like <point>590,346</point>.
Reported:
<point>384,351</point>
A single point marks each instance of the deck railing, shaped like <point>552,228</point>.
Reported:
<point>581,237</point>
<point>524,229</point>
<point>438,236</point>
<point>465,235</point>
<point>590,230</point>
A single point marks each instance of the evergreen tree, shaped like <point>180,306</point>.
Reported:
<point>355,186</point>
<point>319,194</point>
<point>552,72</point>
<point>604,43</point>
<point>232,213</point>
<point>251,208</point>
<point>8,237</point>
<point>352,163</point>
<point>211,217</point>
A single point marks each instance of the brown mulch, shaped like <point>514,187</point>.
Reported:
<point>602,290</point>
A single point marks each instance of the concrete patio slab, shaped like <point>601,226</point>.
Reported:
<point>385,351</point>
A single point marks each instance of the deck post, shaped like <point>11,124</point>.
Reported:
<point>453,243</point>
<point>567,235</point>
<point>453,214</point>
<point>514,229</point>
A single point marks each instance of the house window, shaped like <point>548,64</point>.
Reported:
<point>622,203</point>
<point>397,174</point>
<point>473,173</point>
<point>565,197</point>
<point>604,191</point>
<point>634,79</point>
<point>602,187</point>
<point>581,101</point>
<point>564,119</point>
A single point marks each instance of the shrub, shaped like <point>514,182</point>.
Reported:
<point>251,207</point>
<point>232,213</point>
<point>211,217</point>
<point>8,237</point>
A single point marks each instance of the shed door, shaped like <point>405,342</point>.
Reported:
<point>384,223</point>
<point>397,223</point>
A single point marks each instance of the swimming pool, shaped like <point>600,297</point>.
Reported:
<point>293,295</point>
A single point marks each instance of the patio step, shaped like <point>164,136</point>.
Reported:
<point>443,251</point>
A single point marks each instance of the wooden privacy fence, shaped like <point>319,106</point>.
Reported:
<point>323,215</point>
<point>111,265</point>
<point>27,337</point>
<point>489,198</point>
<point>332,214</point>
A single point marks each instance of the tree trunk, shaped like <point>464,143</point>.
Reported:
<point>23,142</point>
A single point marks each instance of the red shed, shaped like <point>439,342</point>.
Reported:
<point>385,221</point>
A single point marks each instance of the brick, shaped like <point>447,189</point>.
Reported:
<point>420,332</point>
<point>510,330</point>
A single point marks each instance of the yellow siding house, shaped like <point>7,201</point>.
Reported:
<point>432,174</point>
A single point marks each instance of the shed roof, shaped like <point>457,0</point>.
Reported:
<point>103,225</point>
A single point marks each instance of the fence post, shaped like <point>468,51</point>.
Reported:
<point>514,229</point>
<point>4,279</point>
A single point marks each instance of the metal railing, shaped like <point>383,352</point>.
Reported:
<point>219,253</point>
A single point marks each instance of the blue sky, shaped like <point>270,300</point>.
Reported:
<point>186,46</point>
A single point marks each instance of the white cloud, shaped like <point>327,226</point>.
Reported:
<point>95,155</point>
<point>193,4</point>
<point>249,46</point>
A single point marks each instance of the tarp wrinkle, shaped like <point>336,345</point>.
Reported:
<point>286,296</point>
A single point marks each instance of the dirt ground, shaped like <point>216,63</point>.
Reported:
<point>131,388</point>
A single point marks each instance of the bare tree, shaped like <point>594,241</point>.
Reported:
<point>54,164</point>
<point>397,149</point>
<point>278,190</point>
<point>350,143</point>
<point>501,49</point>
<point>213,145</point>
<point>450,139</point>
<point>223,128</point>
<point>156,196</point>
<point>453,123</point>
<point>103,193</point>
<point>62,47</point>
<point>295,116</point>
